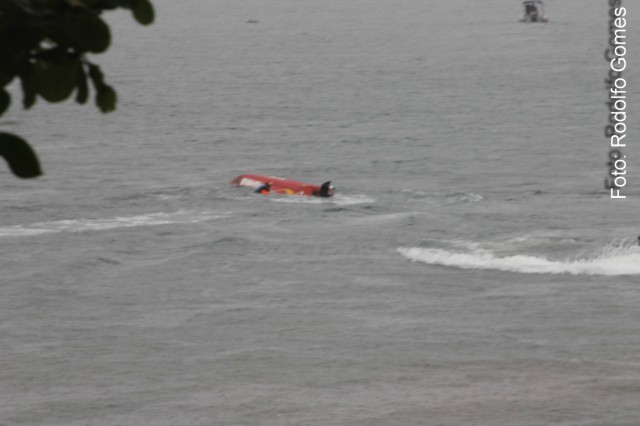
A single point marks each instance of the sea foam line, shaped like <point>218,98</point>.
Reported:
<point>81,225</point>
<point>624,261</point>
<point>338,199</point>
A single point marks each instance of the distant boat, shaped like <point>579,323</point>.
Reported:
<point>533,11</point>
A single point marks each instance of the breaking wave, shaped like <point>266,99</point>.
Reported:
<point>338,199</point>
<point>81,225</point>
<point>614,259</point>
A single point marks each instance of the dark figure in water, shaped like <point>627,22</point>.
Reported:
<point>531,9</point>
<point>639,240</point>
<point>326,190</point>
<point>263,189</point>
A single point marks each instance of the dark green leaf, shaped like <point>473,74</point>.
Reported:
<point>143,11</point>
<point>7,71</point>
<point>106,99</point>
<point>22,161</point>
<point>11,8</point>
<point>81,29</point>
<point>83,88</point>
<point>52,4</point>
<point>58,55</point>
<point>5,101</point>
<point>77,3</point>
<point>97,78</point>
<point>101,4</point>
<point>106,4</point>
<point>28,89</point>
<point>91,34</point>
<point>127,4</point>
<point>55,82</point>
<point>5,77</point>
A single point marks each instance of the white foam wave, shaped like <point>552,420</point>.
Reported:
<point>466,197</point>
<point>338,199</point>
<point>453,198</point>
<point>612,260</point>
<point>80,225</point>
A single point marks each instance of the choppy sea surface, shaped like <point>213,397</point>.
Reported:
<point>471,270</point>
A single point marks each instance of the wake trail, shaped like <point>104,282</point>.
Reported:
<point>83,225</point>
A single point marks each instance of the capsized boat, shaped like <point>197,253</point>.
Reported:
<point>277,185</point>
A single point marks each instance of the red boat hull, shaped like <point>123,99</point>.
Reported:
<point>278,185</point>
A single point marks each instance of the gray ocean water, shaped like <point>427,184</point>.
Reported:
<point>471,270</point>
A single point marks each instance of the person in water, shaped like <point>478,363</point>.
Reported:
<point>326,190</point>
<point>531,9</point>
<point>263,189</point>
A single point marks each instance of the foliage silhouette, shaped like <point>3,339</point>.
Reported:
<point>44,44</point>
